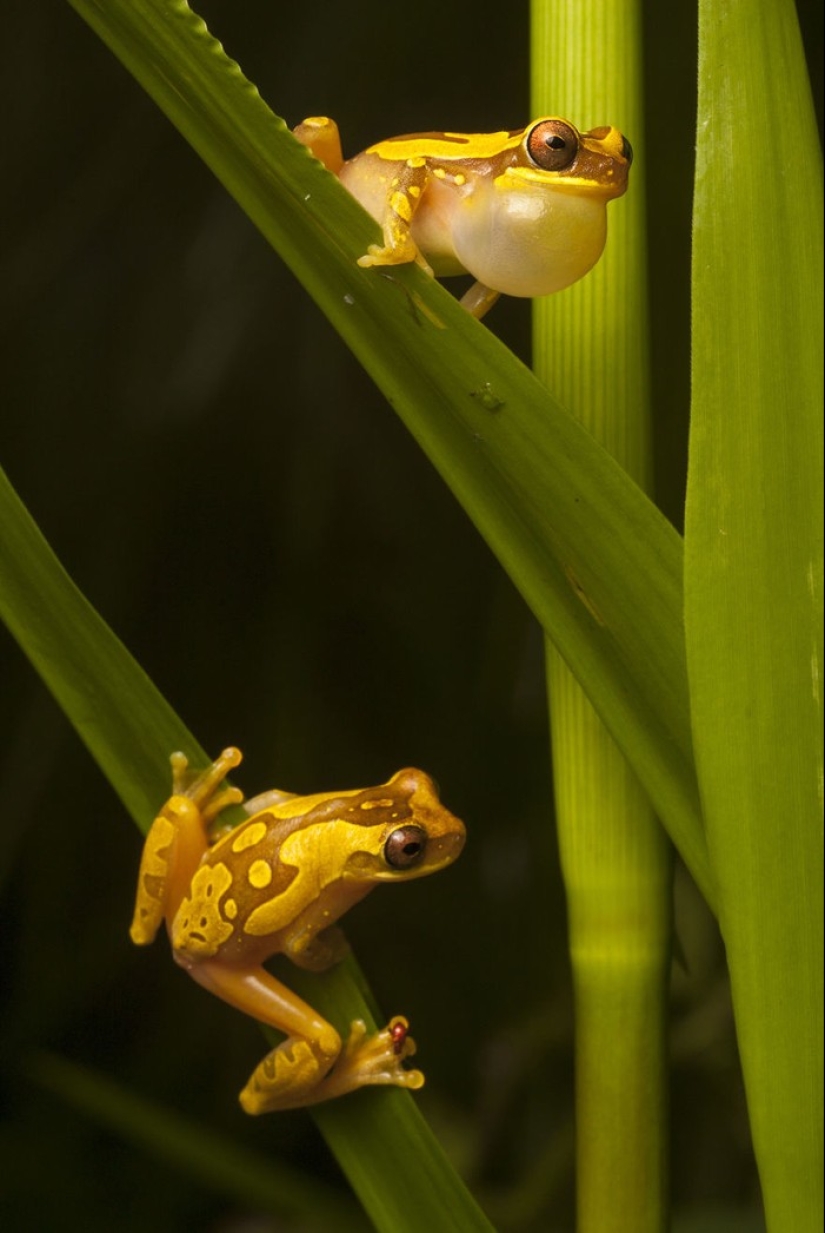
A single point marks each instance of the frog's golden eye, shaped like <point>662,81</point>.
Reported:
<point>552,145</point>
<point>405,847</point>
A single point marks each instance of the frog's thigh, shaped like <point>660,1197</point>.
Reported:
<point>171,854</point>
<point>290,1074</point>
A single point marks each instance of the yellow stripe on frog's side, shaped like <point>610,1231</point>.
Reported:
<point>319,854</point>
<point>538,177</point>
<point>446,146</point>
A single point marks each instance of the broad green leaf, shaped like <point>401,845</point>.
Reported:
<point>594,559</point>
<point>754,568</point>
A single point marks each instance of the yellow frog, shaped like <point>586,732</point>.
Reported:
<point>277,883</point>
<point>523,211</point>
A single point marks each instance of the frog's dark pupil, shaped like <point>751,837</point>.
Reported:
<point>405,847</point>
<point>555,142</point>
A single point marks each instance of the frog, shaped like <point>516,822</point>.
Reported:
<point>277,883</point>
<point>524,211</point>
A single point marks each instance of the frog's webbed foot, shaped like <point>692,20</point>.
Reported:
<point>201,787</point>
<point>375,1059</point>
<point>296,1074</point>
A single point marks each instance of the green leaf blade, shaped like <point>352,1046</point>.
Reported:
<point>754,569</point>
<point>539,489</point>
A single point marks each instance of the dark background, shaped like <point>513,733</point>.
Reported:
<point>238,501</point>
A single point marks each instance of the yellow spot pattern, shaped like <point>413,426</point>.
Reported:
<point>319,853</point>
<point>199,928</point>
<point>260,874</point>
<point>399,202</point>
<point>249,836</point>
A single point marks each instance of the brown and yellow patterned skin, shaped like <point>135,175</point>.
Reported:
<point>276,884</point>
<point>523,211</point>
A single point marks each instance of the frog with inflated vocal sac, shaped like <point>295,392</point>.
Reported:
<point>522,211</point>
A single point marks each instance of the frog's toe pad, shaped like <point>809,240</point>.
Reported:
<point>379,1059</point>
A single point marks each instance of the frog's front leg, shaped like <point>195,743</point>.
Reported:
<point>310,1065</point>
<point>403,197</point>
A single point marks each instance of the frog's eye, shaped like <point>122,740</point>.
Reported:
<point>552,145</point>
<point>405,847</point>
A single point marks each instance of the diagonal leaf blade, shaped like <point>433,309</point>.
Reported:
<point>539,489</point>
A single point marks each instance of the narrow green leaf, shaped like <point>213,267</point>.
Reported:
<point>215,1161</point>
<point>126,724</point>
<point>754,568</point>
<point>130,729</point>
<point>540,490</point>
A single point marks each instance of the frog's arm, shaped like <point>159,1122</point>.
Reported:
<point>400,198</point>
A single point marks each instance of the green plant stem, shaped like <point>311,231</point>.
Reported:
<point>591,349</point>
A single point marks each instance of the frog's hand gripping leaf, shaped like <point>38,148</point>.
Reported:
<point>275,884</point>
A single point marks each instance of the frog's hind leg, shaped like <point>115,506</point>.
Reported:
<point>177,840</point>
<point>291,1073</point>
<point>320,135</point>
<point>479,300</point>
<point>311,1065</point>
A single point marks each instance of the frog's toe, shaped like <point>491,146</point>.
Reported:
<point>379,1059</point>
